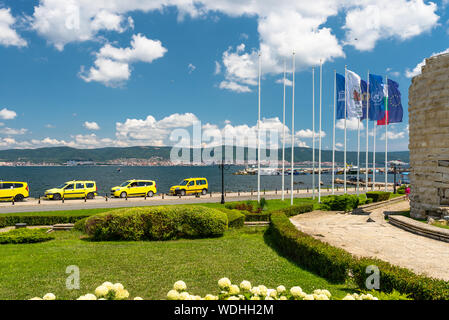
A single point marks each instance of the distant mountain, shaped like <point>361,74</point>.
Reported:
<point>61,155</point>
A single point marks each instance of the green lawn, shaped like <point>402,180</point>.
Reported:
<point>149,269</point>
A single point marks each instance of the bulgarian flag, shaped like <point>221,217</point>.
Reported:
<point>385,119</point>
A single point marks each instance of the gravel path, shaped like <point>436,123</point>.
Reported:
<point>378,239</point>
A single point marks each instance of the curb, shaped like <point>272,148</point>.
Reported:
<point>419,228</point>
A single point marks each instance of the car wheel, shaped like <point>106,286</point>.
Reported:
<point>56,196</point>
<point>19,198</point>
<point>90,196</point>
<point>183,193</point>
<point>204,192</point>
<point>150,194</point>
<point>123,194</point>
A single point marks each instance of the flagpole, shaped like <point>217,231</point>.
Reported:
<point>319,132</point>
<point>293,128</point>
<point>358,155</point>
<point>283,141</point>
<point>333,135</point>
<point>258,142</point>
<point>367,134</point>
<point>374,157</point>
<point>313,133</point>
<point>346,86</point>
<point>386,134</point>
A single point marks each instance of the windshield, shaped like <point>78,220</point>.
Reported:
<point>183,183</point>
<point>61,186</point>
<point>124,184</point>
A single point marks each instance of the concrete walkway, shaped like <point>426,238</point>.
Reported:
<point>378,239</point>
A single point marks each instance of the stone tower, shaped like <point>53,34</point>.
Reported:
<point>429,139</point>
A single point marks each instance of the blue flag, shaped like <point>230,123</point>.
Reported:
<point>376,98</point>
<point>364,87</point>
<point>340,96</point>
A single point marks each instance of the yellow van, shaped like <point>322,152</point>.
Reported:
<point>191,186</point>
<point>73,190</point>
<point>135,188</point>
<point>14,190</point>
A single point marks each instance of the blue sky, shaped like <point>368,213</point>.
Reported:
<point>104,73</point>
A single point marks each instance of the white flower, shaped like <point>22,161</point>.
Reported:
<point>224,283</point>
<point>36,298</point>
<point>263,290</point>
<point>173,295</point>
<point>296,292</point>
<point>180,286</point>
<point>233,289</point>
<point>108,285</point>
<point>256,291</point>
<point>281,289</point>
<point>308,297</point>
<point>255,298</point>
<point>211,297</point>
<point>88,296</point>
<point>233,298</point>
<point>348,297</point>
<point>283,298</point>
<point>269,298</point>
<point>122,294</point>
<point>49,296</point>
<point>327,293</point>
<point>245,285</point>
<point>184,296</point>
<point>117,287</point>
<point>101,291</point>
<point>320,296</point>
<point>138,298</point>
<point>272,293</point>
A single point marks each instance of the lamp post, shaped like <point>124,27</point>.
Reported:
<point>222,183</point>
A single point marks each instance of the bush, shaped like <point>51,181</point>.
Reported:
<point>157,223</point>
<point>309,253</point>
<point>257,217</point>
<point>80,225</point>
<point>244,206</point>
<point>236,219</point>
<point>25,236</point>
<point>345,202</point>
<point>378,196</point>
<point>298,209</point>
<point>402,280</point>
<point>401,189</point>
<point>36,220</point>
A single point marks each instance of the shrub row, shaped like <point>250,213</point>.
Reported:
<point>25,236</point>
<point>297,209</point>
<point>35,220</point>
<point>323,259</point>
<point>157,223</point>
<point>345,202</point>
<point>378,196</point>
<point>236,219</point>
<point>337,265</point>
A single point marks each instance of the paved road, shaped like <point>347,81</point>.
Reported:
<point>31,205</point>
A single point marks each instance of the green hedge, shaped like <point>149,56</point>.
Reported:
<point>345,202</point>
<point>38,220</point>
<point>25,236</point>
<point>378,196</point>
<point>337,265</point>
<point>309,253</point>
<point>236,219</point>
<point>297,209</point>
<point>157,223</point>
<point>256,217</point>
<point>402,280</point>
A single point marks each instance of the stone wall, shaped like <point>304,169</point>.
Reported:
<point>429,139</point>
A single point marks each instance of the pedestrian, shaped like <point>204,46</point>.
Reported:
<point>407,193</point>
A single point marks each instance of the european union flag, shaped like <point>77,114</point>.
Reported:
<point>395,111</point>
<point>340,96</point>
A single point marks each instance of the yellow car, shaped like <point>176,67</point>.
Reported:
<point>13,190</point>
<point>191,186</point>
<point>135,188</point>
<point>73,190</point>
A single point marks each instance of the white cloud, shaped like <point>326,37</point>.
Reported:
<point>373,20</point>
<point>393,135</point>
<point>234,86</point>
<point>191,68</point>
<point>308,134</point>
<point>217,68</point>
<point>6,114</point>
<point>112,64</point>
<point>351,124</point>
<point>288,82</point>
<point>13,132</point>
<point>8,36</point>
<point>91,125</point>
<point>417,70</point>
